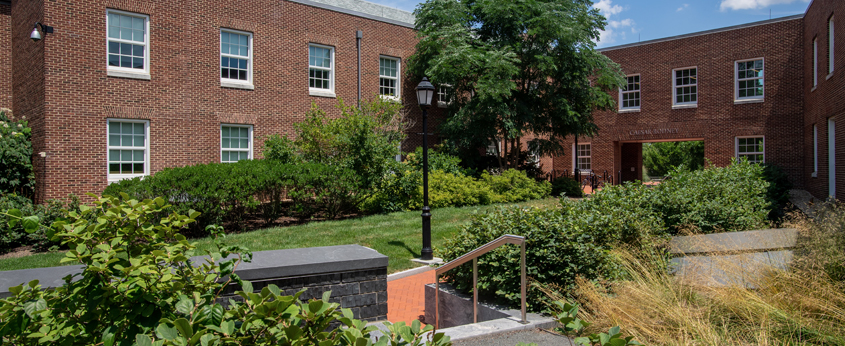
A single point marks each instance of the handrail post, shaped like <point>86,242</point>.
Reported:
<point>524,290</point>
<point>475,290</point>
<point>436,302</point>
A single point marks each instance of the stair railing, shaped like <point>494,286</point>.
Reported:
<point>473,255</point>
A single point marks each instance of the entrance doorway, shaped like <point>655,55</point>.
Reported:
<point>653,160</point>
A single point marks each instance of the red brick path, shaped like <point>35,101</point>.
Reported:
<point>406,297</point>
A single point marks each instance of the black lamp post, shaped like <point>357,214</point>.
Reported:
<point>424,93</point>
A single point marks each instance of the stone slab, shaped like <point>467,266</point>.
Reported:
<point>760,240</point>
<point>746,269</point>
<point>264,265</point>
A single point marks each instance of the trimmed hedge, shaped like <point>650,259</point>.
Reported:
<point>225,192</point>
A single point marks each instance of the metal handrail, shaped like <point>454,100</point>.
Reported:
<point>473,255</point>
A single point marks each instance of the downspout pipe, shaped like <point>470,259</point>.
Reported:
<point>358,35</point>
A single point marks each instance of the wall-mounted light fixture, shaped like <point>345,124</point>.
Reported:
<point>35,35</point>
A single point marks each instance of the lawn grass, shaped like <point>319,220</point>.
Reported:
<point>396,235</point>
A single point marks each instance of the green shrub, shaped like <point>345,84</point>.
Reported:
<point>12,237</point>
<point>515,186</point>
<point>363,139</point>
<point>453,190</point>
<point>437,161</point>
<point>16,175</point>
<point>566,186</point>
<point>778,191</point>
<point>226,192</point>
<point>661,158</point>
<point>715,199</point>
<point>138,287</point>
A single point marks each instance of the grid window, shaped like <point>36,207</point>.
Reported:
<point>630,93</point>
<point>320,67</point>
<point>127,147</point>
<point>235,143</point>
<point>830,41</point>
<point>750,148</point>
<point>388,77</point>
<point>235,56</point>
<point>815,62</point>
<point>749,79</point>
<point>584,160</point>
<point>686,86</point>
<point>127,41</point>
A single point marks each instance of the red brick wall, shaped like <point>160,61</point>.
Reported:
<point>827,99</point>
<point>716,120</point>
<point>6,56</point>
<point>184,101</point>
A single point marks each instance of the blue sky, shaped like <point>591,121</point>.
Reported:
<point>633,20</point>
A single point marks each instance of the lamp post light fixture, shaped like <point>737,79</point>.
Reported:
<point>36,35</point>
<point>425,91</point>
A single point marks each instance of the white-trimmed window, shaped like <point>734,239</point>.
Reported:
<point>128,148</point>
<point>815,61</point>
<point>443,99</point>
<point>751,148</point>
<point>321,70</point>
<point>830,41</point>
<point>685,86</point>
<point>388,77</point>
<point>235,58</point>
<point>749,79</point>
<point>629,94</point>
<point>815,151</point>
<point>235,142</point>
<point>583,157</point>
<point>128,44</point>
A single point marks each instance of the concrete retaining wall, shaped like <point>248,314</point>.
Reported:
<point>356,275</point>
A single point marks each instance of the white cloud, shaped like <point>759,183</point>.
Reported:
<point>752,4</point>
<point>614,28</point>
<point>685,6</point>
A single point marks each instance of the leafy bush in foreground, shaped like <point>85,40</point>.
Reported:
<point>138,287</point>
<point>15,236</point>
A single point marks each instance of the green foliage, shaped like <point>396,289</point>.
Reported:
<point>661,158</point>
<point>226,192</point>
<point>12,236</point>
<point>778,191</point>
<point>437,161</point>
<point>515,68</point>
<point>16,175</point>
<point>571,325</point>
<point>515,186</point>
<point>363,139</point>
<point>138,287</point>
<point>453,190</point>
<point>732,198</point>
<point>566,186</point>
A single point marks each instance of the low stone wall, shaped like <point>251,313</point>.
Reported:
<point>737,258</point>
<point>356,275</point>
<point>455,308</point>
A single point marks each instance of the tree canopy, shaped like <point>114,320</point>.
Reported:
<point>514,68</point>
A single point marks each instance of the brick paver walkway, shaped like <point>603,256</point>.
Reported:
<point>406,297</point>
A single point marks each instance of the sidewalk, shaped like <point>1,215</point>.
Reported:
<point>406,297</point>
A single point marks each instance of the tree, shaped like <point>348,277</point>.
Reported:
<point>660,158</point>
<point>515,68</point>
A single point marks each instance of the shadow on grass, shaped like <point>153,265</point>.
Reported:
<point>402,244</point>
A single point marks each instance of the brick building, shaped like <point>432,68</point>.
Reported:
<point>122,88</point>
<point>748,90</point>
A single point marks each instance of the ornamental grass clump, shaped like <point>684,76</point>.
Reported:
<point>803,304</point>
<point>139,287</point>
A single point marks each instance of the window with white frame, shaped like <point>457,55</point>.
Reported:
<point>751,148</point>
<point>235,56</point>
<point>443,99</point>
<point>388,77</point>
<point>749,79</point>
<point>583,158</point>
<point>320,68</point>
<point>830,41</point>
<point>629,94</point>
<point>815,61</point>
<point>815,151</point>
<point>235,143</point>
<point>685,84</point>
<point>128,42</point>
<point>128,148</point>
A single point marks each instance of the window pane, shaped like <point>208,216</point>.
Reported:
<point>245,143</point>
<point>139,141</point>
<point>138,168</point>
<point>125,168</point>
<point>114,168</point>
<point>138,155</point>
<point>225,143</point>
<point>114,155</point>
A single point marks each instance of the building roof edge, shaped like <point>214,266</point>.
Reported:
<point>364,10</point>
<point>706,32</point>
